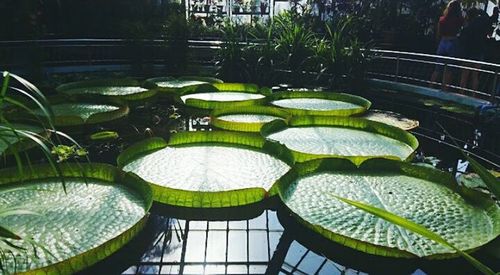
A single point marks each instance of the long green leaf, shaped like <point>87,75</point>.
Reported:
<point>414,227</point>
<point>7,233</point>
<point>488,178</point>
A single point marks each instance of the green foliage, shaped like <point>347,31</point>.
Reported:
<point>340,54</point>
<point>177,49</point>
<point>294,45</point>
<point>65,152</point>
<point>231,60</point>
<point>291,46</point>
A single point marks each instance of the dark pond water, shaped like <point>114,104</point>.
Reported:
<point>261,238</point>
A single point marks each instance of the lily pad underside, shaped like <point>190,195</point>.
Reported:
<point>95,217</point>
<point>351,138</point>
<point>320,103</point>
<point>246,119</point>
<point>208,169</point>
<point>425,196</point>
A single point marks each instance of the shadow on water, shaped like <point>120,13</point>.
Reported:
<point>245,212</point>
<point>133,251</point>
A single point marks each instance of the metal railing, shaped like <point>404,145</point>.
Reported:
<point>396,66</point>
<point>445,73</point>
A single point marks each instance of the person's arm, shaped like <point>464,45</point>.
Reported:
<point>438,31</point>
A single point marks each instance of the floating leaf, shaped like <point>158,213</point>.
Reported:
<point>352,138</point>
<point>208,169</point>
<point>320,103</point>
<point>246,119</point>
<point>105,209</point>
<point>424,196</point>
<point>125,89</point>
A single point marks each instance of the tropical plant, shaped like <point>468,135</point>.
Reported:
<point>231,60</point>
<point>294,45</point>
<point>261,57</point>
<point>339,55</point>
<point>177,48</point>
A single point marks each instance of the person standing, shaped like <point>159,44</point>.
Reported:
<point>449,27</point>
<point>473,41</point>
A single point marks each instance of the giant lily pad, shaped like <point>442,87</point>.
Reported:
<point>425,196</point>
<point>223,95</point>
<point>246,119</point>
<point>9,138</point>
<point>181,84</point>
<point>99,213</point>
<point>391,118</point>
<point>125,89</point>
<point>352,138</point>
<point>208,169</point>
<point>320,103</point>
<point>84,110</point>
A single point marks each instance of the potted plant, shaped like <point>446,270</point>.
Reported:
<point>237,6</point>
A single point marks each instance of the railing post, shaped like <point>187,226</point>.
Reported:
<point>495,84</point>
<point>443,80</point>
<point>396,75</point>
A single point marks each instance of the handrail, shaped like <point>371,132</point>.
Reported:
<point>420,68</point>
<point>394,65</point>
<point>437,57</point>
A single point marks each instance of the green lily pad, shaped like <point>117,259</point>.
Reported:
<point>391,118</point>
<point>97,215</point>
<point>208,169</point>
<point>352,138</point>
<point>246,119</point>
<point>80,112</point>
<point>320,103</point>
<point>8,137</point>
<point>221,100</point>
<point>181,82</point>
<point>181,85</point>
<point>425,196</point>
<point>222,96</point>
<point>125,89</point>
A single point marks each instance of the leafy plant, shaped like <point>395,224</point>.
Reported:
<point>294,46</point>
<point>339,54</point>
<point>231,60</point>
